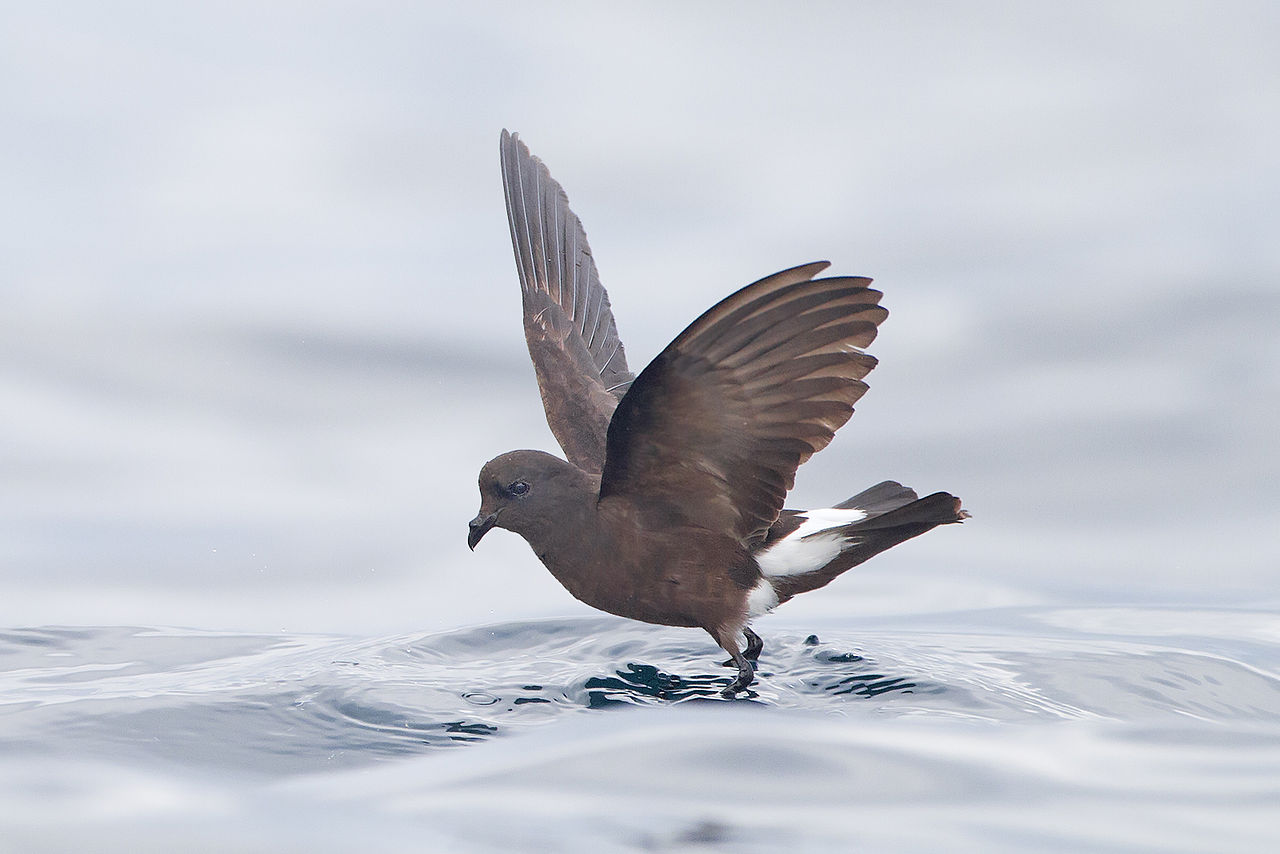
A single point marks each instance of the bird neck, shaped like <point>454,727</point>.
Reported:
<point>576,494</point>
<point>572,544</point>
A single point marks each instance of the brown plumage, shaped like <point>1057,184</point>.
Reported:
<point>669,506</point>
<point>573,341</point>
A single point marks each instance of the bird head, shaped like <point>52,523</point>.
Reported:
<point>525,491</point>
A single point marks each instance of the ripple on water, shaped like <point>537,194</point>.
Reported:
<point>276,704</point>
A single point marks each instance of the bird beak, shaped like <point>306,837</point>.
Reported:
<point>479,527</point>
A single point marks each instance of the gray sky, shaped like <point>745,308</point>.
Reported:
<point>259,324</point>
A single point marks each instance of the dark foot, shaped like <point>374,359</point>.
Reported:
<point>728,641</point>
<point>752,652</point>
<point>746,675</point>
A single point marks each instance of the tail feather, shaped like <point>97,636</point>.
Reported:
<point>893,515</point>
<point>940,508</point>
<point>880,498</point>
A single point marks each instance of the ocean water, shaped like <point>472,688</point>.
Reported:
<point>1010,729</point>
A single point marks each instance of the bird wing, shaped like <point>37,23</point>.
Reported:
<point>712,431</point>
<point>573,341</point>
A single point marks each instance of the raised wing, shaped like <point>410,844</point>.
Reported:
<point>712,431</point>
<point>577,354</point>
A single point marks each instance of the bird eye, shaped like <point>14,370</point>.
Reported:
<point>518,487</point>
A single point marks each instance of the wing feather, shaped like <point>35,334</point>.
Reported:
<point>577,354</point>
<point>713,430</point>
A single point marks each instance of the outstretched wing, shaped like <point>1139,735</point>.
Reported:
<point>712,431</point>
<point>574,344</point>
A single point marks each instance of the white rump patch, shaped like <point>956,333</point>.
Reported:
<point>761,599</point>
<point>809,547</point>
<point>816,521</point>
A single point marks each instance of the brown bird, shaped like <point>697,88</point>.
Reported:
<point>669,506</point>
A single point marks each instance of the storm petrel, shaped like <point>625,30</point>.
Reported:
<point>668,506</point>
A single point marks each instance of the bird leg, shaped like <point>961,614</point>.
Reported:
<point>746,675</point>
<point>752,652</point>
<point>746,672</point>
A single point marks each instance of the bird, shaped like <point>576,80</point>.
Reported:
<point>667,506</point>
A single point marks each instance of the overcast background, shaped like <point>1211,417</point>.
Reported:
<point>259,321</point>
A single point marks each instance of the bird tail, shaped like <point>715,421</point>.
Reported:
<point>807,550</point>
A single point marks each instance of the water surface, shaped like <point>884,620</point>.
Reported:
<point>1119,729</point>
